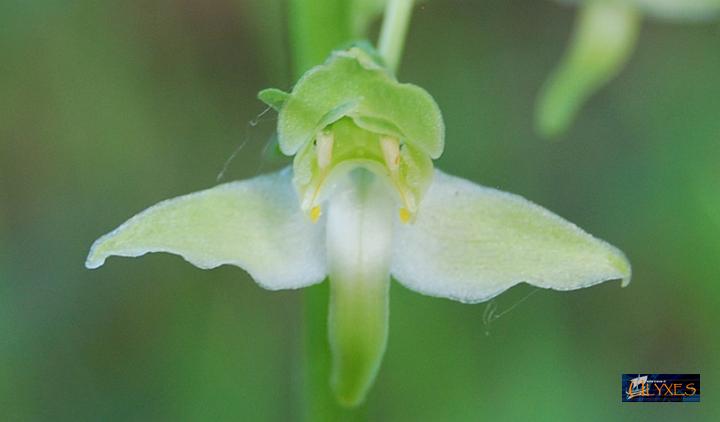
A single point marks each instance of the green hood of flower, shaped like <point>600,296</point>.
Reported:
<point>351,112</point>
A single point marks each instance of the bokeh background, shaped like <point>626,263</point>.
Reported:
<point>109,107</point>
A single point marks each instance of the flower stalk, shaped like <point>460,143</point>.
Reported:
<point>393,31</point>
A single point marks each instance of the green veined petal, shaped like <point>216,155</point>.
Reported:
<point>470,243</point>
<point>254,224</point>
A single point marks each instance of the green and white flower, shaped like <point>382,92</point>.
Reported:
<point>604,37</point>
<point>362,204</point>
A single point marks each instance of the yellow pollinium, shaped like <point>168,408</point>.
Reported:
<point>405,215</point>
<point>315,213</point>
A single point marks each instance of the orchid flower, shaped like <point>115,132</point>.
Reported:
<point>360,205</point>
<point>604,37</point>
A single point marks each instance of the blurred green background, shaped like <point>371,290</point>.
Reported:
<point>109,107</point>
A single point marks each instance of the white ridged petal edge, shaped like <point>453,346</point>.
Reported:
<point>255,224</point>
<point>471,243</point>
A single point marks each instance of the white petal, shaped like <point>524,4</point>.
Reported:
<point>470,243</point>
<point>254,224</point>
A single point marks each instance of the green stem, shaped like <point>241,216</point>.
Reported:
<point>393,31</point>
<point>317,400</point>
<point>317,27</point>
